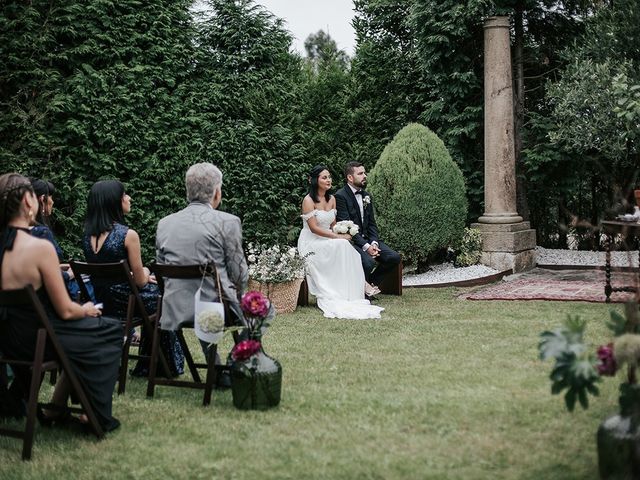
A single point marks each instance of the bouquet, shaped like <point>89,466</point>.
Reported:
<point>346,226</point>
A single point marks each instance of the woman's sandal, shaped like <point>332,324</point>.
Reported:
<point>370,290</point>
<point>48,419</point>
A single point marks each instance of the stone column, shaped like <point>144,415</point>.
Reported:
<point>508,242</point>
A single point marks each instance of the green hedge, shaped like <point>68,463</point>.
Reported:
<point>421,205</point>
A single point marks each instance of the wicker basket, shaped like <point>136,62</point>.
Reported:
<point>284,296</point>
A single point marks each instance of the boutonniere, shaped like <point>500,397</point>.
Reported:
<point>366,201</point>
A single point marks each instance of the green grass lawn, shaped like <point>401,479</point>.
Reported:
<point>440,388</point>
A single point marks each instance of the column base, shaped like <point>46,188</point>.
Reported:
<point>501,218</point>
<point>509,246</point>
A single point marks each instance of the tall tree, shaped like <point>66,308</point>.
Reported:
<point>320,47</point>
<point>89,90</point>
<point>245,96</point>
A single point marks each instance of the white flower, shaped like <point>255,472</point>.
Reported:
<point>346,226</point>
<point>366,201</point>
<point>275,264</point>
<point>210,321</point>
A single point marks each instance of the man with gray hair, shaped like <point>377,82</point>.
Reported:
<point>200,234</point>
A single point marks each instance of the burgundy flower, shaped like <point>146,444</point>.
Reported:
<point>255,304</point>
<point>607,365</point>
<point>245,349</point>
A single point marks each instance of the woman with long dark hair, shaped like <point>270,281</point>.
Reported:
<point>107,239</point>
<point>92,343</point>
<point>334,270</point>
<point>44,191</point>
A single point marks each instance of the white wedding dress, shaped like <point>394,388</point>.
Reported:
<point>334,271</point>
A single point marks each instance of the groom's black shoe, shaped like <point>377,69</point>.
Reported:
<point>371,298</point>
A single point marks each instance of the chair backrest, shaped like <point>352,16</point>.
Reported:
<point>185,272</point>
<point>112,273</point>
<point>27,298</point>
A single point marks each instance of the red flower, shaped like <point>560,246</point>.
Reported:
<point>245,349</point>
<point>255,304</point>
<point>607,365</point>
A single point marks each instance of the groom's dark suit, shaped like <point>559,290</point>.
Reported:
<point>348,209</point>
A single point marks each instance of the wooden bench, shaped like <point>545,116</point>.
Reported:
<point>391,285</point>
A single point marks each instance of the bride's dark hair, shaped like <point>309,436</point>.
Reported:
<point>313,183</point>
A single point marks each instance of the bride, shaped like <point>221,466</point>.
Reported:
<point>334,270</point>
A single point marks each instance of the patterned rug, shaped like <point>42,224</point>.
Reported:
<point>568,285</point>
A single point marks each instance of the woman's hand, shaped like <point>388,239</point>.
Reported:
<point>90,310</point>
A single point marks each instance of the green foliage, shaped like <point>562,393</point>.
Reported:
<point>449,45</point>
<point>90,91</point>
<point>139,91</point>
<point>583,105</point>
<point>574,369</point>
<point>469,249</point>
<point>424,207</point>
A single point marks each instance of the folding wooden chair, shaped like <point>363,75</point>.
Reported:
<point>163,272</point>
<point>26,298</point>
<point>114,273</point>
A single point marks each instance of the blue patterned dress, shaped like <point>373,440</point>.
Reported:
<point>115,298</point>
<point>44,232</point>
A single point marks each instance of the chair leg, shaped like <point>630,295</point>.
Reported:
<point>153,361</point>
<point>211,374</point>
<point>187,356</point>
<point>32,404</point>
<point>53,377</point>
<point>124,362</point>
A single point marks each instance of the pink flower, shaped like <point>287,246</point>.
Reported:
<point>255,304</point>
<point>245,349</point>
<point>607,365</point>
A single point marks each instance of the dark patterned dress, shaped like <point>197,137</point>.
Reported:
<point>92,345</point>
<point>44,232</point>
<point>115,298</point>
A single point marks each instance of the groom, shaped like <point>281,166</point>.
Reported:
<point>355,204</point>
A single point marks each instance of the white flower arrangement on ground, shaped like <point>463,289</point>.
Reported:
<point>275,264</point>
<point>346,226</point>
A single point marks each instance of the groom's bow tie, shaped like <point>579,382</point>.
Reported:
<point>358,192</point>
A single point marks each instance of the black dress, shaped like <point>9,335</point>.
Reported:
<point>92,345</point>
<point>115,298</point>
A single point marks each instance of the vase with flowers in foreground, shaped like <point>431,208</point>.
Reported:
<point>578,371</point>
<point>256,378</point>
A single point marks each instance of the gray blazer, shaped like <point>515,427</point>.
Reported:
<point>200,234</point>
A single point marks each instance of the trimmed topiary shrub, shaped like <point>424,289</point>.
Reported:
<point>421,205</point>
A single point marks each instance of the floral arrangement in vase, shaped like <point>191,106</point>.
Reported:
<point>275,264</point>
<point>256,378</point>
<point>578,368</point>
<point>278,272</point>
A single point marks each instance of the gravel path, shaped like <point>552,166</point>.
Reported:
<point>446,272</point>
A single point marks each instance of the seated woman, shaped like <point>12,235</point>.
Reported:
<point>44,191</point>
<point>334,271</point>
<point>92,343</point>
<point>107,239</point>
